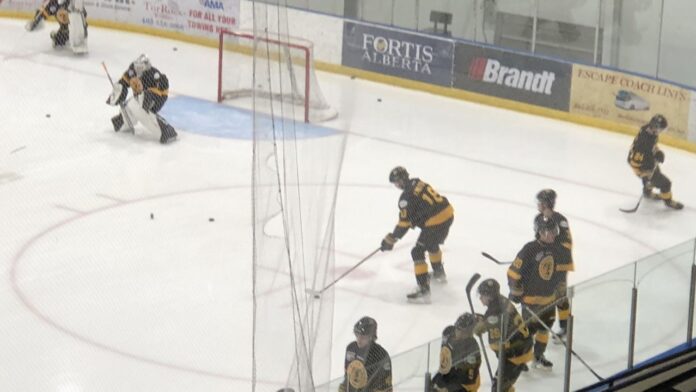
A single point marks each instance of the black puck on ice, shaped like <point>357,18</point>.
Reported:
<point>48,115</point>
<point>379,99</point>
<point>175,49</point>
<point>352,77</point>
<point>211,219</point>
<point>152,216</point>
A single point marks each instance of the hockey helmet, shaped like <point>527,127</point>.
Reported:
<point>398,173</point>
<point>543,223</point>
<point>465,321</point>
<point>141,64</point>
<point>547,197</point>
<point>489,287</point>
<point>366,326</point>
<point>658,122</point>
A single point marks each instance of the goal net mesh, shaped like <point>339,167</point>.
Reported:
<point>296,167</point>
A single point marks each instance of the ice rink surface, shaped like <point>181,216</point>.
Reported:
<point>97,296</point>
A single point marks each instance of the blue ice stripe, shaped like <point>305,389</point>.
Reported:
<point>209,118</point>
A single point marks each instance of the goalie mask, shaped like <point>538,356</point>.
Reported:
<point>141,64</point>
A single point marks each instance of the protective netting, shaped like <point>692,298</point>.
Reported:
<point>296,83</point>
<point>296,167</point>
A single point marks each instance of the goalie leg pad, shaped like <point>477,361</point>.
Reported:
<point>78,32</point>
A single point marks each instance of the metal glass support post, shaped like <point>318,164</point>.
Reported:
<point>659,39</point>
<point>427,372</point>
<point>632,326</point>
<point>535,25</point>
<point>476,21</point>
<point>692,293</point>
<point>501,354</point>
<point>596,32</point>
<point>569,343</point>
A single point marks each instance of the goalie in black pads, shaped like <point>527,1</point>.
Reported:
<point>460,358</point>
<point>72,23</point>
<point>150,91</point>
<point>546,202</point>
<point>645,158</point>
<point>367,364</point>
<point>421,206</point>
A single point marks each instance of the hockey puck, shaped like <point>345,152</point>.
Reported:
<point>48,115</point>
<point>211,219</point>
<point>174,49</point>
<point>317,296</point>
<point>379,99</point>
<point>152,216</point>
<point>352,77</point>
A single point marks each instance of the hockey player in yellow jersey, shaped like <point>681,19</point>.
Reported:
<point>546,202</point>
<point>460,358</point>
<point>535,284</point>
<point>645,158</point>
<point>421,206</point>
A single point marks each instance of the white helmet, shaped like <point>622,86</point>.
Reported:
<point>141,64</point>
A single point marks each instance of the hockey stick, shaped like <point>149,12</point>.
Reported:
<point>555,335</point>
<point>317,294</point>
<point>122,105</point>
<point>634,209</point>
<point>469,286</point>
<point>493,259</point>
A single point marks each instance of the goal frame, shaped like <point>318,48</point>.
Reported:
<point>244,35</point>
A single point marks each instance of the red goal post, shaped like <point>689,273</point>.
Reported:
<point>288,77</point>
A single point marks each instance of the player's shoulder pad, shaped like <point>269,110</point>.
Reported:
<point>560,220</point>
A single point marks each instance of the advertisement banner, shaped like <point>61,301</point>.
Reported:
<point>512,76</point>
<point>628,99</point>
<point>399,53</point>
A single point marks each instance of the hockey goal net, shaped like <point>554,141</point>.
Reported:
<point>285,85</point>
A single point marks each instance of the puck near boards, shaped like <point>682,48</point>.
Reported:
<point>211,219</point>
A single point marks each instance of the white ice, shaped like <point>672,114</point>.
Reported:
<point>96,296</point>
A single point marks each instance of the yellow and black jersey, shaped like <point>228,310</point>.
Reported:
<point>532,276</point>
<point>155,86</point>
<point>641,157</point>
<point>52,8</point>
<point>518,341</point>
<point>421,206</point>
<point>460,360</point>
<point>564,240</point>
<point>367,370</point>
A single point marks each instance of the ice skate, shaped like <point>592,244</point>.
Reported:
<point>540,362</point>
<point>439,277</point>
<point>419,296</point>
<point>674,204</point>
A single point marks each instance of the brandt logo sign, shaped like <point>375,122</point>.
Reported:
<point>492,71</point>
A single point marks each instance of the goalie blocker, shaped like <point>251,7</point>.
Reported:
<point>150,90</point>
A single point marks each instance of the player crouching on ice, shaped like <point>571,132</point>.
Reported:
<point>150,91</point>
<point>72,23</point>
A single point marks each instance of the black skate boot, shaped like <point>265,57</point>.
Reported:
<point>420,296</point>
<point>540,362</point>
<point>674,204</point>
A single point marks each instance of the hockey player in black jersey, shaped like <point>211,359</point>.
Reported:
<point>546,202</point>
<point>645,158</point>
<point>150,91</point>
<point>460,358</point>
<point>421,206</point>
<point>517,346</point>
<point>367,364</point>
<point>72,23</point>
<point>535,284</point>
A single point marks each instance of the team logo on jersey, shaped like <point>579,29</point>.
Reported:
<point>546,267</point>
<point>357,375</point>
<point>445,360</point>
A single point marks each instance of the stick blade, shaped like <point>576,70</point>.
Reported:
<point>630,210</point>
<point>472,282</point>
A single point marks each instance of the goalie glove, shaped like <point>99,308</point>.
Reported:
<point>116,97</point>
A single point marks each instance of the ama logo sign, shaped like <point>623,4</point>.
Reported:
<point>212,4</point>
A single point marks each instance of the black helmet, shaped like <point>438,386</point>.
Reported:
<point>489,287</point>
<point>366,326</point>
<point>448,332</point>
<point>543,223</point>
<point>658,121</point>
<point>547,197</point>
<point>398,173</point>
<point>465,321</point>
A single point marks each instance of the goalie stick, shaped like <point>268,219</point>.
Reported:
<point>634,209</point>
<point>493,259</point>
<point>122,105</point>
<point>469,286</point>
<point>317,294</point>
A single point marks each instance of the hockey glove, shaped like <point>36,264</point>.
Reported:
<point>115,97</point>
<point>660,156</point>
<point>387,243</point>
